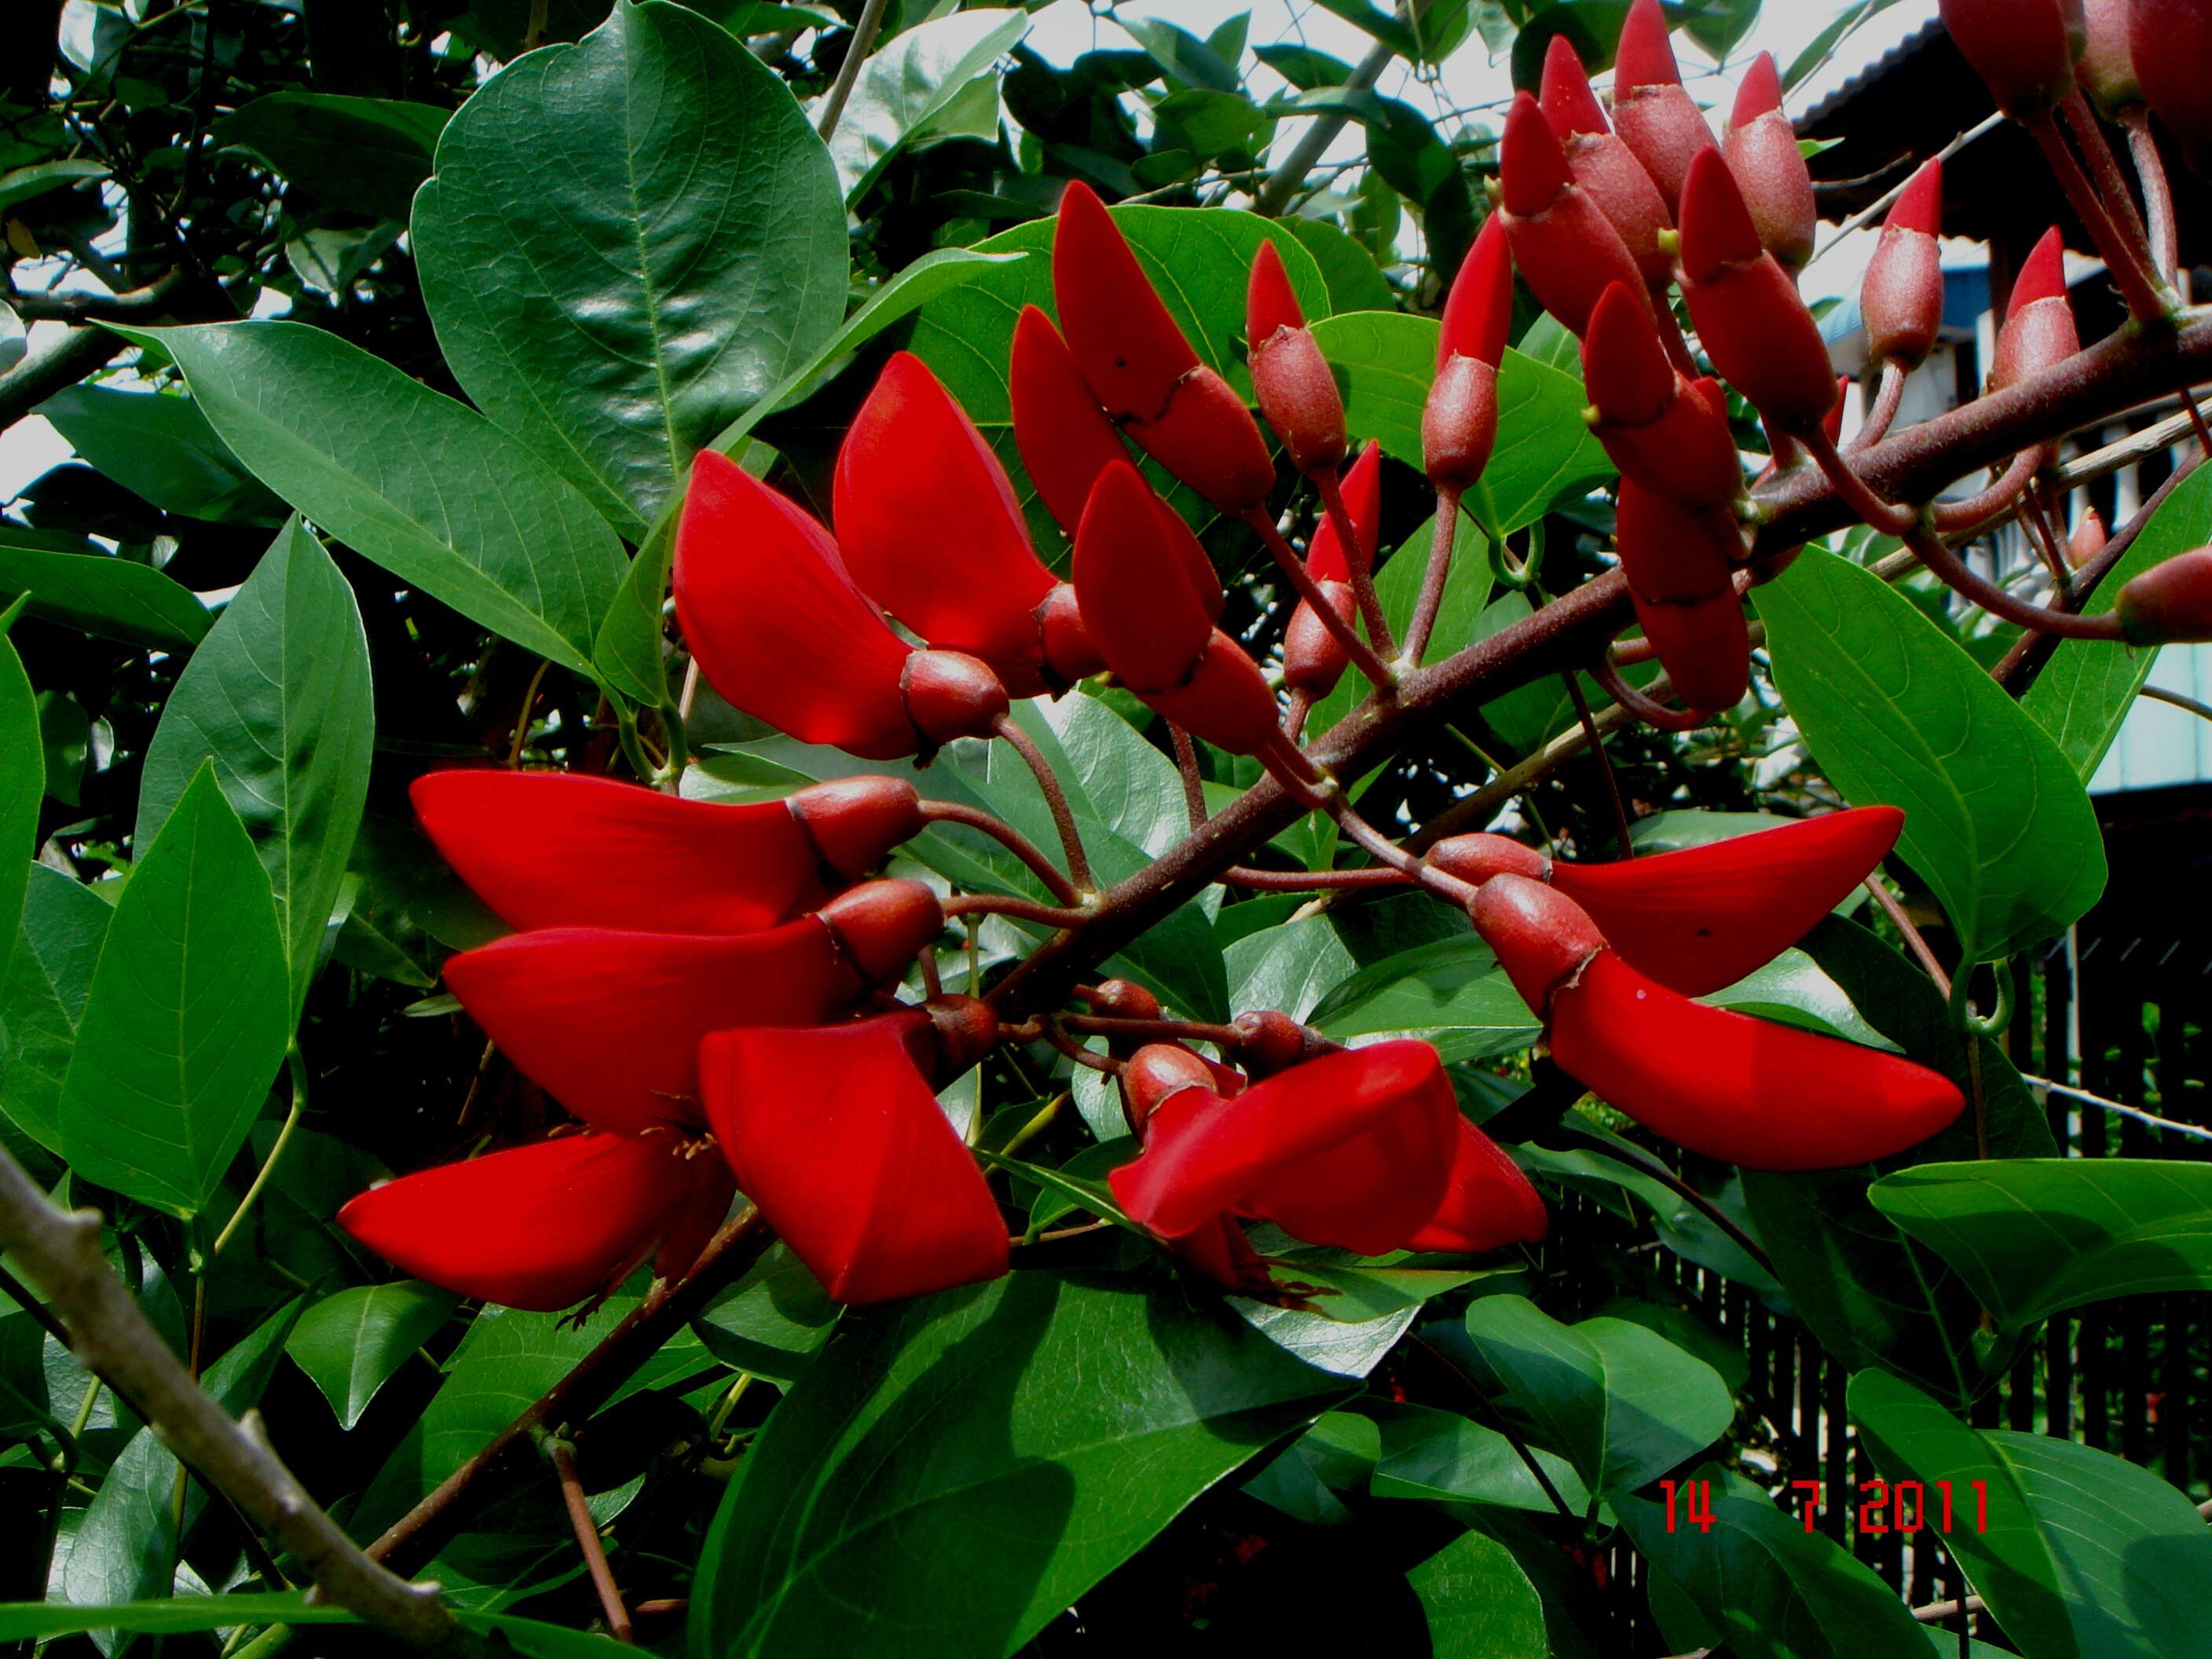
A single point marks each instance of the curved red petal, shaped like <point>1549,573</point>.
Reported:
<point>539,1227</point>
<point>1132,355</point>
<point>1224,700</point>
<point>1626,370</point>
<point>1645,56</point>
<point>1704,646</point>
<point>1361,487</point>
<point>1565,93</point>
<point>1919,205</point>
<point>1761,91</point>
<point>837,1139</point>
<point>1269,302</point>
<point>2042,275</point>
<point>1718,231</point>
<point>929,528</point>
<point>775,621</point>
<point>1133,583</point>
<point>1479,308</point>
<point>1065,439</point>
<point>1488,1203</point>
<point>1532,167</point>
<point>556,850</point>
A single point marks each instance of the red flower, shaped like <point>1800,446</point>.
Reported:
<point>929,528</point>
<point>2020,49</point>
<point>542,1227</point>
<point>836,1137</point>
<point>1748,316</point>
<point>1902,297</point>
<point>1605,166</point>
<point>1566,250</point>
<point>1761,149</point>
<point>2038,328</point>
<point>562,850</point>
<point>780,631</point>
<point>1459,419</point>
<point>1653,114</point>
<point>1313,659</point>
<point>1065,439</point>
<point>1667,433</point>
<point>1290,377</point>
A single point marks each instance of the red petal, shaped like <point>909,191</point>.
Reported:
<point>929,528</point>
<point>609,1022</point>
<point>776,623</point>
<point>2042,275</point>
<point>1532,167</point>
<point>1065,438</point>
<point>1716,227</point>
<point>1565,95</point>
<point>1361,489</point>
<point>1224,700</point>
<point>540,1227</point>
<point>1487,1203</point>
<point>1645,56</point>
<point>1624,367</point>
<point>1356,1146</point>
<point>1919,205</point>
<point>1704,645</point>
<point>1745,1090</point>
<point>1135,582</point>
<point>1761,91</point>
<point>555,849</point>
<point>837,1139</point>
<point>1132,355</point>
<point>1703,917</point>
<point>1479,307</point>
<point>1269,302</point>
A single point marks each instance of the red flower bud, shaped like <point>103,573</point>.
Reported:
<point>1603,166</point>
<point>1477,858</point>
<point>1459,421</point>
<point>1269,1041</point>
<point>1655,117</point>
<point>1155,1073</point>
<point>1353,1150</point>
<point>929,528</point>
<point>1138,364</point>
<point>1326,558</point>
<point>1479,310</point>
<point>1223,700</point>
<point>609,1022</point>
<point>1297,393</point>
<point>2019,47</point>
<point>836,1135</point>
<point>1660,428</point>
<point>780,629</point>
<point>2087,540</point>
<point>950,693</point>
<point>1065,439</point>
<point>2106,69</point>
<point>1747,1091</point>
<point>1704,645</point>
<point>1748,316</point>
<point>1568,103</point>
<point>1148,593</point>
<point>554,850</point>
<point>2039,332</point>
<point>543,1226</point>
<point>2170,42</point>
<point>1565,249</point>
<point>1313,659</point>
<point>1902,298</point>
<point>1542,937</point>
<point>2171,603</point>
<point>1487,1204</point>
<point>1761,151</point>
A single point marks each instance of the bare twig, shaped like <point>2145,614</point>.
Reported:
<point>2196,1132</point>
<point>1285,181</point>
<point>1055,800</point>
<point>863,42</point>
<point>2160,694</point>
<point>563,1456</point>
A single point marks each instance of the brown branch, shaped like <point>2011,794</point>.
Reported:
<point>563,1456</point>
<point>1055,800</point>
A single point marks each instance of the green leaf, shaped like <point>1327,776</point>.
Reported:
<point>770,1321</point>
<point>1720,26</point>
<point>1623,1403</point>
<point>1792,990</point>
<point>629,646</point>
<point>188,1017</point>
<point>2084,1556</point>
<point>352,1343</point>
<point>277,697</point>
<point>1478,1603</point>
<point>42,997</point>
<point>1544,451</point>
<point>1437,1455</point>
<point>1996,820</point>
<point>1290,968</point>
<point>1303,67</point>
<point>1383,25</point>
<point>1451,992</point>
<point>903,90</point>
<point>1188,61</point>
<point>1819,48</point>
<point>72,583</point>
<point>1770,1589</point>
<point>2034,1236</point>
<point>628,242</point>
<point>2084,692</point>
<point>162,450</point>
<point>364,153</point>
<point>1354,281</point>
<point>927,1425</point>
<point>22,183</point>
<point>423,485</point>
<point>177,1614</point>
<point>23,788</point>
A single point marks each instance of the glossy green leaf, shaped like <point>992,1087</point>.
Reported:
<point>1290,968</point>
<point>352,1342</point>
<point>178,1615</point>
<point>1187,60</point>
<point>1544,451</point>
<point>368,154</point>
<point>23,788</point>
<point>277,697</point>
<point>1065,1420</point>
<point>2084,1556</point>
<point>162,450</point>
<point>770,1321</point>
<point>1620,1401</point>
<point>1818,51</point>
<point>2033,1236</point>
<point>1451,992</point>
<point>1478,1603</point>
<point>629,241</point>
<point>22,183</point>
<point>1433,1454</point>
<point>1336,1454</point>
<point>905,89</point>
<point>1871,1294</point>
<point>72,583</point>
<point>1381,22</point>
<point>2081,696</point>
<point>1792,990</point>
<point>1720,26</point>
<point>42,997</point>
<point>188,1017</point>
<point>1355,283</point>
<point>1996,819</point>
<point>420,485</point>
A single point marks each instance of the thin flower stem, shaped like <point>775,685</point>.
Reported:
<point>563,1456</point>
<point>1019,910</point>
<point>1363,654</point>
<point>1359,559</point>
<point>1972,512</point>
<point>2197,424</point>
<point>2111,183</point>
<point>522,717</point>
<point>1050,1031</point>
<point>1634,1155</point>
<point>1886,517</point>
<point>1444,538</point>
<point>1653,714</point>
<point>1194,785</point>
<point>1913,939</point>
<point>2125,264</point>
<point>2043,539</point>
<point>1889,393</point>
<point>297,1068</point>
<point>1929,548</point>
<point>1447,887</point>
<point>946,812</point>
<point>1225,1037</point>
<point>1605,762</point>
<point>1304,881</point>
<point>1296,707</point>
<point>2160,694</point>
<point>1055,800</point>
<point>2158,194</point>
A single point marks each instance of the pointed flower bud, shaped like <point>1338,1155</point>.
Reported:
<point>1659,428</point>
<point>1297,393</point>
<point>1565,249</point>
<point>2038,330</point>
<point>1459,421</point>
<point>564,849</point>
<point>1313,659</point>
<point>836,1134</point>
<point>1653,114</point>
<point>1327,558</point>
<point>1748,316</point>
<point>1680,562</point>
<point>929,528</point>
<point>609,1022</point>
<point>2019,48</point>
<point>2171,603</point>
<point>1761,151</point>
<point>2087,540</point>
<point>781,631</point>
<point>1065,439</point>
<point>2170,42</point>
<point>1143,371</point>
<point>1901,299</point>
<point>1566,94</point>
<point>1156,1072</point>
<point>1224,700</point>
<point>1604,166</point>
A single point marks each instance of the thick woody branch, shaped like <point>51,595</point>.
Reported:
<point>60,1250</point>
